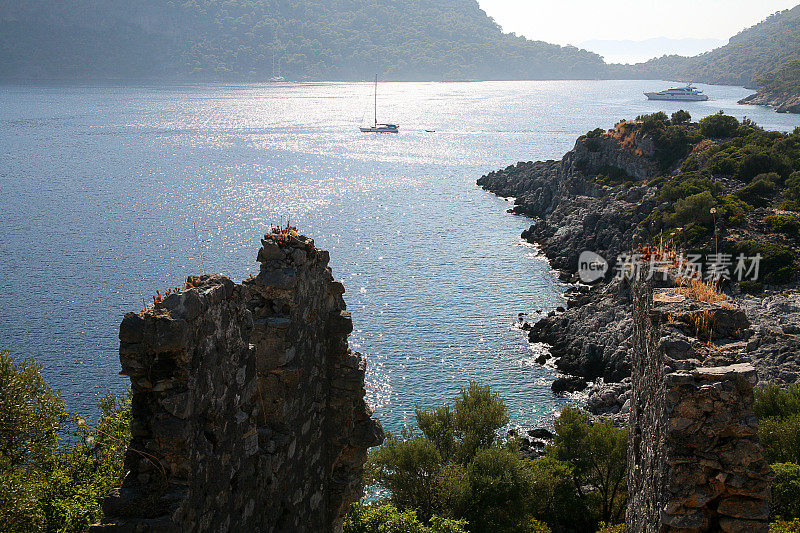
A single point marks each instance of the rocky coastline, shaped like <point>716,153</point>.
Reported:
<point>574,207</point>
<point>782,102</point>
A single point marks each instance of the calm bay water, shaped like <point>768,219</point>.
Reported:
<point>111,193</point>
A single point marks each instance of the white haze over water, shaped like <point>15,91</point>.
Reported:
<point>102,185</point>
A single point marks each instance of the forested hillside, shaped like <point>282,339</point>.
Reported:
<point>746,58</point>
<point>243,39</point>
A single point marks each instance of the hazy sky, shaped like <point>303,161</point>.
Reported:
<point>575,21</point>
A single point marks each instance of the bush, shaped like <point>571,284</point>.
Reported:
<point>722,164</point>
<point>598,455</point>
<point>687,184</point>
<point>763,161</point>
<point>609,528</point>
<point>719,126</point>
<point>672,145</point>
<point>786,490</point>
<point>553,495</point>
<point>782,526</point>
<point>778,411</point>
<point>751,287</point>
<point>681,117</point>
<point>44,485</point>
<point>758,192</point>
<point>792,192</point>
<point>386,518</point>
<point>499,483</point>
<point>611,175</point>
<point>733,210</point>
<point>786,224</point>
<point>653,122</point>
<point>695,208</point>
<point>776,259</point>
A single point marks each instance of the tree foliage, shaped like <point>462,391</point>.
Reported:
<point>457,466</point>
<point>54,468</point>
<point>255,39</point>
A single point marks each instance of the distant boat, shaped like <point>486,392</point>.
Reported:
<point>276,74</point>
<point>680,94</point>
<point>379,128</point>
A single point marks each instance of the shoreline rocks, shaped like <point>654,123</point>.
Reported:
<point>571,212</point>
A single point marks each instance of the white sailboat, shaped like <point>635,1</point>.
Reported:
<point>379,128</point>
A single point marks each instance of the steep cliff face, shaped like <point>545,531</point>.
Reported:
<point>248,406</point>
<point>694,461</point>
<point>572,211</point>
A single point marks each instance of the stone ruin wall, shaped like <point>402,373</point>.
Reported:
<point>248,407</point>
<point>694,460</point>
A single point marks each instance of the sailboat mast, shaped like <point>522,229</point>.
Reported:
<point>375,115</point>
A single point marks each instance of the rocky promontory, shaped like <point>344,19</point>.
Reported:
<point>779,89</point>
<point>782,102</point>
<point>671,184</point>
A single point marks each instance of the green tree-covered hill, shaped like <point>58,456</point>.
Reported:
<point>748,56</point>
<point>252,39</point>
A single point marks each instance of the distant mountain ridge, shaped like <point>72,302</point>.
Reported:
<point>252,39</point>
<point>412,40</point>
<point>631,51</point>
<point>747,57</point>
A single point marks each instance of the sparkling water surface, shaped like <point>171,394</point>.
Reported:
<point>112,193</point>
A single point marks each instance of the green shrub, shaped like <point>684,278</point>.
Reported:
<point>751,287</point>
<point>609,528</point>
<point>45,485</point>
<point>653,122</point>
<point>786,490</point>
<point>786,224</point>
<point>695,208</point>
<point>758,192</point>
<point>778,411</point>
<point>792,192</point>
<point>598,455</point>
<point>774,401</point>
<point>611,175</point>
<point>782,526</point>
<point>763,161</point>
<point>687,184</point>
<point>672,145</point>
<point>595,133</point>
<point>553,495</point>
<point>690,164</point>
<point>733,210</point>
<point>386,518</point>
<point>719,126</point>
<point>500,489</point>
<point>722,164</point>
<point>681,117</point>
<point>776,259</point>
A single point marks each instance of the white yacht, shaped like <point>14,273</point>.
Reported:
<point>682,94</point>
<point>379,128</point>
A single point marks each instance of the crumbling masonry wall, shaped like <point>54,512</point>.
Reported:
<point>694,460</point>
<point>248,406</point>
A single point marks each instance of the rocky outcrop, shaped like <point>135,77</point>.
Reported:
<point>592,337</point>
<point>781,102</point>
<point>248,407</point>
<point>572,212</point>
<point>694,461</point>
<point>775,342</point>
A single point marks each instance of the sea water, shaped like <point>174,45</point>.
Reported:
<point>112,193</point>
